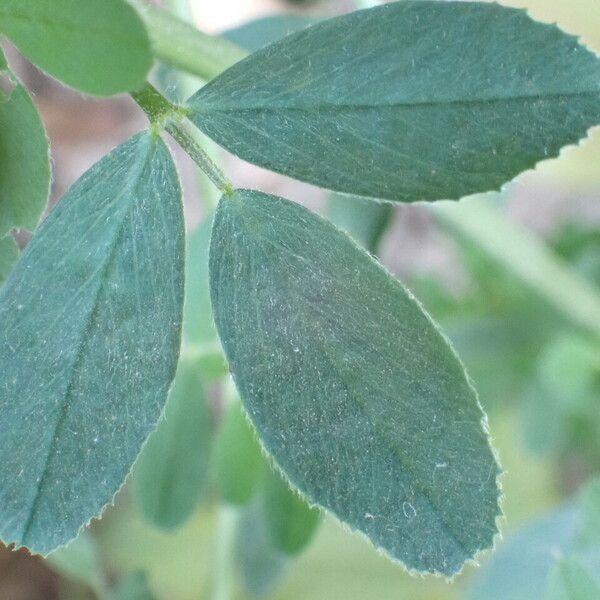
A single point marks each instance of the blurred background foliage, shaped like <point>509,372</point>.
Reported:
<point>204,515</point>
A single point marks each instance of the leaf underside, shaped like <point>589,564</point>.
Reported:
<point>350,385</point>
<point>414,100</point>
<point>91,319</point>
<point>24,159</point>
<point>97,47</point>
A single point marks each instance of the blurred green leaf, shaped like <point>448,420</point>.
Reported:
<point>589,534</point>
<point>363,220</point>
<point>290,521</point>
<point>9,253</point>
<point>170,474</point>
<point>78,560</point>
<point>134,587</point>
<point>376,92</point>
<point>97,47</point>
<point>255,35</point>
<point>570,580</point>
<point>24,160</point>
<point>239,459</point>
<point>91,320</point>
<point>341,372</point>
<point>260,566</point>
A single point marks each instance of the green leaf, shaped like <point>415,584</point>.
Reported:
<point>256,34</point>
<point>413,100</point>
<point>135,586</point>
<point>24,159</point>
<point>97,47</point>
<point>171,472</point>
<point>350,385</point>
<point>570,580</point>
<point>239,458</point>
<point>363,220</point>
<point>78,560</point>
<point>91,321</point>
<point>259,564</point>
<point>9,253</point>
<point>290,521</point>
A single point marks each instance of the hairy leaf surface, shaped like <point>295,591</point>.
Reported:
<point>91,320</point>
<point>413,100</point>
<point>97,47</point>
<point>351,386</point>
<point>171,472</point>
<point>24,158</point>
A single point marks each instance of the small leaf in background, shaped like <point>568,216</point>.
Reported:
<point>370,103</point>
<point>170,474</point>
<point>257,34</point>
<point>24,159</point>
<point>290,521</point>
<point>260,566</point>
<point>590,502</point>
<point>9,253</point>
<point>97,47</point>
<point>135,586</point>
<point>239,459</point>
<point>91,322</point>
<point>570,580</point>
<point>363,220</point>
<point>350,385</point>
<point>78,560</point>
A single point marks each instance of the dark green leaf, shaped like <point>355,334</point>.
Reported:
<point>350,385</point>
<point>363,220</point>
<point>255,35</point>
<point>239,458</point>
<point>414,100</point>
<point>290,521</point>
<point>9,253</point>
<point>259,564</point>
<point>98,47</point>
<point>91,320</point>
<point>170,474</point>
<point>24,159</point>
<point>570,580</point>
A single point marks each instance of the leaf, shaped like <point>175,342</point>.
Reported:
<point>100,48</point>
<point>363,220</point>
<point>239,458</point>
<point>24,159</point>
<point>350,385</point>
<point>171,472</point>
<point>259,564</point>
<point>290,521</point>
<point>91,320</point>
<point>9,253</point>
<point>570,580</point>
<point>135,586</point>
<point>256,34</point>
<point>78,560</point>
<point>414,100</point>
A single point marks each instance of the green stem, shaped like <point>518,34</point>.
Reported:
<point>182,45</point>
<point>173,119</point>
<point>228,518</point>
<point>527,257</point>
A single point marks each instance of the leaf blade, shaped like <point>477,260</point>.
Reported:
<point>376,92</point>
<point>336,363</point>
<point>101,48</point>
<point>92,310</point>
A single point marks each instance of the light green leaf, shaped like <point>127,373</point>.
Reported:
<point>91,321</point>
<point>413,100</point>
<point>570,580</point>
<point>170,474</point>
<point>24,159</point>
<point>256,34</point>
<point>135,586</point>
<point>350,385</point>
<point>290,521</point>
<point>9,253</point>
<point>239,459</point>
<point>78,560</point>
<point>363,220</point>
<point>97,47</point>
